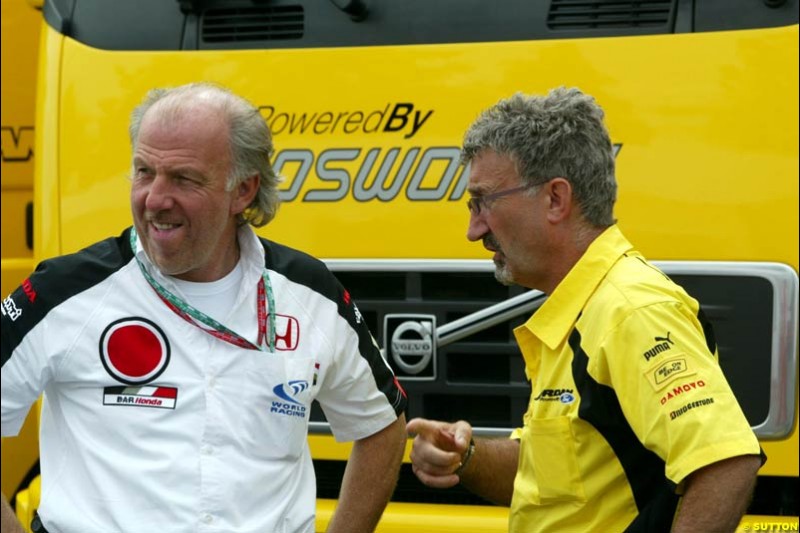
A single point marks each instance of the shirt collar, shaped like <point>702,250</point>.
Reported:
<point>554,320</point>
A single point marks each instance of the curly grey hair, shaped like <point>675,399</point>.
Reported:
<point>560,134</point>
<point>248,133</point>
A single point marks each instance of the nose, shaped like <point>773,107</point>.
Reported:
<point>159,194</point>
<point>477,226</point>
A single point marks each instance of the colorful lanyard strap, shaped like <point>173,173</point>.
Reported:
<point>218,330</point>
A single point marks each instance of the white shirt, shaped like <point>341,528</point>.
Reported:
<point>151,424</point>
<point>213,298</point>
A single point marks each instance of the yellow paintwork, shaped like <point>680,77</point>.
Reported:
<point>428,518</point>
<point>20,453</point>
<point>708,167</point>
<point>708,125</point>
<point>47,229</point>
<point>28,501</point>
<point>14,271</point>
<point>18,53</point>
<point>20,39</point>
<point>12,204</point>
<point>707,150</point>
<point>20,45</point>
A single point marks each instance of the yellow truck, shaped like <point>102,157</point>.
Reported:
<point>367,101</point>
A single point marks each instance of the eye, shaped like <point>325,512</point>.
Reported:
<point>474,204</point>
<point>142,172</point>
<point>184,180</point>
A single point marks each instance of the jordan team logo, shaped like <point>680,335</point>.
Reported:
<point>134,350</point>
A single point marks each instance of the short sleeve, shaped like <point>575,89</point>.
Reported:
<point>672,390</point>
<point>25,370</point>
<point>360,394</point>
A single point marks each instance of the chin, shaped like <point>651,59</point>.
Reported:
<point>168,268</point>
<point>502,275</point>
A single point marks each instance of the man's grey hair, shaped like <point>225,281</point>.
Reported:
<point>560,134</point>
<point>248,134</point>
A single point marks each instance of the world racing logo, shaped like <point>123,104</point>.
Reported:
<point>289,392</point>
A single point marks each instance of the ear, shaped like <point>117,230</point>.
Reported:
<point>559,197</point>
<point>244,193</point>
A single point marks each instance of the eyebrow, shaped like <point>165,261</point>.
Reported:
<point>174,171</point>
<point>478,190</point>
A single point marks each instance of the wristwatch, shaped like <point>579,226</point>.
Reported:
<point>467,456</point>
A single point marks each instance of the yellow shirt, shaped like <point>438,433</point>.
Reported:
<point>627,399</point>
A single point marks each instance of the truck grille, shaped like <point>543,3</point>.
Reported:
<point>479,375</point>
<point>254,23</point>
<point>480,378</point>
<point>602,14</point>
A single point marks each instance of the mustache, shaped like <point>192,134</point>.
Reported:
<point>490,242</point>
<point>161,217</point>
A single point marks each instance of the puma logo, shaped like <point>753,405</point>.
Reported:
<point>662,346</point>
<point>664,339</point>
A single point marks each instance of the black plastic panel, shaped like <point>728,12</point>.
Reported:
<point>740,309</point>
<point>724,15</point>
<point>256,24</point>
<point>773,496</point>
<point>481,378</point>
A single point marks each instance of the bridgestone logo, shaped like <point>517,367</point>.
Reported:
<point>699,403</point>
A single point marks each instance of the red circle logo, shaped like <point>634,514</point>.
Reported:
<point>134,350</point>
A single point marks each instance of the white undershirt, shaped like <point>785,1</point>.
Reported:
<point>213,298</point>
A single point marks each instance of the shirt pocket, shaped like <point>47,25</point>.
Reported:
<point>548,454</point>
<point>279,395</point>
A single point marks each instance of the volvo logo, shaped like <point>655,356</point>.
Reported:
<point>411,345</point>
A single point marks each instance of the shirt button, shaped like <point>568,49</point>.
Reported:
<point>206,449</point>
<point>212,382</point>
<point>207,518</point>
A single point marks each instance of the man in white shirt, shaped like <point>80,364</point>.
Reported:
<point>179,360</point>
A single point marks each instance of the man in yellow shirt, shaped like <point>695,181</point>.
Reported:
<point>631,425</point>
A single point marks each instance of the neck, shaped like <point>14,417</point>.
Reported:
<point>584,236</point>
<point>213,274</point>
<point>569,253</point>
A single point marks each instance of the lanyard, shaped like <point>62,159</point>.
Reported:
<point>218,330</point>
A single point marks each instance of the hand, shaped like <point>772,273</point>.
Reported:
<point>437,450</point>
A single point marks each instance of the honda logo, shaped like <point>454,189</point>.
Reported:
<point>287,333</point>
